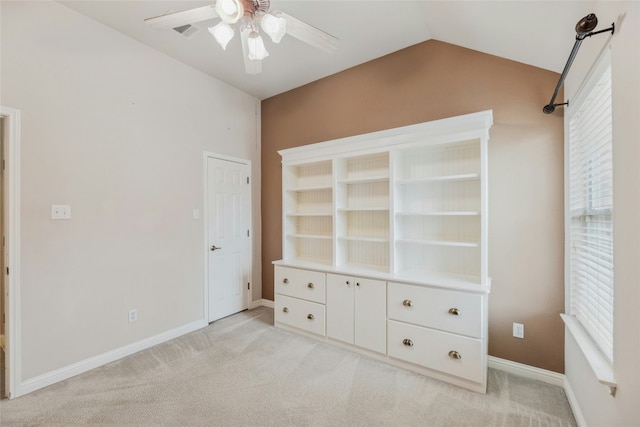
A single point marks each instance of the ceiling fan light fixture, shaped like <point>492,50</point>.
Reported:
<point>223,33</point>
<point>275,27</point>
<point>257,51</point>
<point>230,11</point>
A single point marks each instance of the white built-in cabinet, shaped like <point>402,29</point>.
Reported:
<point>356,311</point>
<point>385,246</point>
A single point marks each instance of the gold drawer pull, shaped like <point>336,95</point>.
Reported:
<point>407,342</point>
<point>455,355</point>
<point>285,310</point>
<point>407,303</point>
<point>454,312</point>
<point>285,280</point>
<point>310,316</point>
<point>310,285</point>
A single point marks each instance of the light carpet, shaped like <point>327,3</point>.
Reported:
<point>241,371</point>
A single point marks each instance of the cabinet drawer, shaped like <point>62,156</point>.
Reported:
<point>301,314</point>
<point>305,284</point>
<point>450,311</point>
<point>436,350</point>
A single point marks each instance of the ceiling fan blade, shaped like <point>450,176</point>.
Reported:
<point>178,19</point>
<point>309,34</point>
<point>251,66</point>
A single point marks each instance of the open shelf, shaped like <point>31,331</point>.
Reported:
<point>314,188</point>
<point>329,214</point>
<point>438,243</point>
<point>309,236</point>
<point>413,202</point>
<point>309,175</point>
<point>364,180</point>
<point>444,178</point>
<point>436,213</point>
<point>364,239</point>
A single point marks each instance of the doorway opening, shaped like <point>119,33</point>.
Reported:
<point>10,381</point>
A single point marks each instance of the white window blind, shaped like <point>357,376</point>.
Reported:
<point>591,208</point>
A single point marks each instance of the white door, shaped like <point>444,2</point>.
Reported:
<point>228,241</point>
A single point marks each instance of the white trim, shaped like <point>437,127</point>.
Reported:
<point>210,155</point>
<point>13,336</point>
<point>468,126</point>
<point>77,368</point>
<point>527,371</point>
<point>575,406</point>
<point>261,303</point>
<point>599,364</point>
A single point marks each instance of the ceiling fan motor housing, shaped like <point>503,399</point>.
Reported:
<point>257,7</point>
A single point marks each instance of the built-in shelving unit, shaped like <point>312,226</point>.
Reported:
<point>385,246</point>
<point>362,212</point>
<point>410,204</point>
<point>308,212</point>
<point>439,215</point>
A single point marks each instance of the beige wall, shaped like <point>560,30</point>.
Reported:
<point>434,80</point>
<point>595,406</point>
<point>117,130</point>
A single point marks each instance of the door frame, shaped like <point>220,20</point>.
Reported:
<point>11,194</point>
<point>205,244</point>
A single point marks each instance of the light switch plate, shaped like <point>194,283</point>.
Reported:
<point>60,211</point>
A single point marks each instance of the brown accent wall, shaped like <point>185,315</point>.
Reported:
<point>434,80</point>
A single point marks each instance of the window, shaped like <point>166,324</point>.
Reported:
<point>590,185</point>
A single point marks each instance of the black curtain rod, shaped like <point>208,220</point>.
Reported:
<point>584,29</point>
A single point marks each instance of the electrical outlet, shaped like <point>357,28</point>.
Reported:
<point>518,330</point>
<point>133,315</point>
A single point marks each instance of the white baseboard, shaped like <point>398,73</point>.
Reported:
<point>573,402</point>
<point>77,368</point>
<point>527,371</point>
<point>261,303</point>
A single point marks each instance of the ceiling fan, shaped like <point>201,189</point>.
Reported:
<point>246,16</point>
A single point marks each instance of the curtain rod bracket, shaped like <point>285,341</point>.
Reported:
<point>550,108</point>
<point>583,30</point>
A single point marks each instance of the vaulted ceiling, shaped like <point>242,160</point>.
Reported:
<point>538,33</point>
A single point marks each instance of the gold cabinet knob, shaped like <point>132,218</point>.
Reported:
<point>285,310</point>
<point>407,303</point>
<point>310,285</point>
<point>455,355</point>
<point>454,312</point>
<point>310,316</point>
<point>285,280</point>
<point>407,342</point>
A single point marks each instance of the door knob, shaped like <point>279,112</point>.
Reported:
<point>214,247</point>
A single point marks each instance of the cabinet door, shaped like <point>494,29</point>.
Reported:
<point>340,319</point>
<point>370,314</point>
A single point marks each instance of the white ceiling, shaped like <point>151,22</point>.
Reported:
<point>538,33</point>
